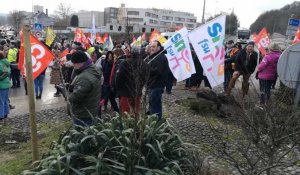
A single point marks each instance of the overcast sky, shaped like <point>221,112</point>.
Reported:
<point>246,10</point>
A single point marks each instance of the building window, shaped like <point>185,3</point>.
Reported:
<point>179,19</point>
<point>147,14</point>
<point>120,28</point>
<point>167,18</point>
<point>143,29</point>
<point>155,22</point>
<point>151,21</point>
<point>135,19</point>
<point>191,20</point>
<point>111,27</point>
<point>190,25</point>
<point>133,13</point>
<point>154,15</point>
<point>165,23</point>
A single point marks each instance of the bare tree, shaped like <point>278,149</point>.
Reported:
<point>262,137</point>
<point>62,15</point>
<point>15,18</point>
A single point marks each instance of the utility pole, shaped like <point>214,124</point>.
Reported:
<point>29,79</point>
<point>203,21</point>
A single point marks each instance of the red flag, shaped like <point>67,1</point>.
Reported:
<point>89,36</point>
<point>63,55</point>
<point>105,37</point>
<point>77,35</point>
<point>99,39</point>
<point>144,36</point>
<point>84,40</point>
<point>262,40</point>
<point>41,56</point>
<point>297,37</point>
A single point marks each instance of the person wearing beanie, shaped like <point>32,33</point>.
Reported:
<point>85,90</point>
<point>267,72</point>
<point>245,65</point>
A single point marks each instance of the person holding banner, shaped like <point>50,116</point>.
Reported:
<point>159,71</point>
<point>245,65</point>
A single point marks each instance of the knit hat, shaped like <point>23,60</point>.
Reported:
<point>230,42</point>
<point>79,57</point>
<point>250,43</point>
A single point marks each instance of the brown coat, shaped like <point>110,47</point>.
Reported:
<point>55,76</point>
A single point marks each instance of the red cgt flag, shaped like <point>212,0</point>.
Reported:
<point>297,37</point>
<point>99,39</point>
<point>77,35</point>
<point>41,56</point>
<point>262,40</point>
<point>63,56</point>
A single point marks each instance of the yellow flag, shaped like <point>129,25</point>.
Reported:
<point>50,36</point>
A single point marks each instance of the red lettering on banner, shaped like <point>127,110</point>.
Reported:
<point>184,57</point>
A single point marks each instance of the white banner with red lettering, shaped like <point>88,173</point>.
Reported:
<point>208,42</point>
<point>41,56</point>
<point>179,55</point>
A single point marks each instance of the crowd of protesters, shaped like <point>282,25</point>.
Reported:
<point>91,77</point>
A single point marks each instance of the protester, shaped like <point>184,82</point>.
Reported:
<point>5,84</point>
<point>85,90</point>
<point>55,75</point>
<point>107,93</point>
<point>159,70</point>
<point>130,80</point>
<point>230,58</point>
<point>38,85</point>
<point>12,57</point>
<point>267,71</point>
<point>245,65</point>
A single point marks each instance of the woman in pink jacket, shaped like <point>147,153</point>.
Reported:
<point>267,70</point>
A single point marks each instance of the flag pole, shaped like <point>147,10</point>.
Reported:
<point>29,79</point>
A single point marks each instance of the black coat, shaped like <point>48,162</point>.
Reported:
<point>159,70</point>
<point>246,66</point>
<point>131,77</point>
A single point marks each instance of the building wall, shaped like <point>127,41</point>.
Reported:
<point>159,19</point>
<point>85,18</point>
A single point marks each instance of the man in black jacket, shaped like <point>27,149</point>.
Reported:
<point>245,65</point>
<point>159,70</point>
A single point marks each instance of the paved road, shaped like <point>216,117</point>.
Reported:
<point>20,100</point>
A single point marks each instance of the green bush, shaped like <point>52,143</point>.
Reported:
<point>120,146</point>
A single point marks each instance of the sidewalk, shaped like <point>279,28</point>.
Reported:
<point>20,100</point>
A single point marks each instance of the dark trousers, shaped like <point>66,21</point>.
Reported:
<point>169,83</point>
<point>265,90</point>
<point>108,94</point>
<point>227,77</point>
<point>188,82</point>
<point>155,102</point>
<point>15,76</point>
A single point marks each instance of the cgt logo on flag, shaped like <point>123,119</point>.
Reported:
<point>41,57</point>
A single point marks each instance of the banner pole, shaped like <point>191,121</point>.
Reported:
<point>29,79</point>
